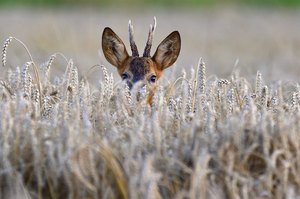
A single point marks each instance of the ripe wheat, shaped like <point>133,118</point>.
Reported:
<point>202,137</point>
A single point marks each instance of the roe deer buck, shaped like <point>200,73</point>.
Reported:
<point>135,68</point>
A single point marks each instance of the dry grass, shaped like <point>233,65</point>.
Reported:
<point>203,137</point>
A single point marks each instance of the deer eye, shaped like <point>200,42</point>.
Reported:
<point>124,76</point>
<point>153,79</point>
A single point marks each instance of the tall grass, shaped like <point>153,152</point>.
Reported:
<point>203,137</point>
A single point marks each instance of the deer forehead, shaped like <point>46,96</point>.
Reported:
<point>139,66</point>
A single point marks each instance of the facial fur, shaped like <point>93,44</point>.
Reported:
<point>139,69</point>
<point>133,68</point>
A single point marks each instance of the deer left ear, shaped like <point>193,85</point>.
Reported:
<point>167,51</point>
<point>113,48</point>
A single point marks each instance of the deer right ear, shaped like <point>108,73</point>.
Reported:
<point>167,51</point>
<point>113,48</point>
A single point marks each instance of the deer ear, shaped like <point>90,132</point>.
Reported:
<point>113,48</point>
<point>167,51</point>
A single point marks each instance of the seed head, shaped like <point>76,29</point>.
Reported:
<point>4,50</point>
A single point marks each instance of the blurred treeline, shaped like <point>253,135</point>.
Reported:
<point>187,3</point>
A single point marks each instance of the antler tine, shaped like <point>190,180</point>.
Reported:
<point>150,38</point>
<point>133,47</point>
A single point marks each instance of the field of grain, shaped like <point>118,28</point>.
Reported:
<point>218,128</point>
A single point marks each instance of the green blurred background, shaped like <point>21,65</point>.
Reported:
<point>186,3</point>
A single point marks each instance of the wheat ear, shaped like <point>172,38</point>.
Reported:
<point>36,73</point>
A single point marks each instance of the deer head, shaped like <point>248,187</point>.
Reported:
<point>135,68</point>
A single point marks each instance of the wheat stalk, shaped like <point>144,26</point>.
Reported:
<point>4,55</point>
<point>202,138</point>
<point>4,50</point>
<point>258,84</point>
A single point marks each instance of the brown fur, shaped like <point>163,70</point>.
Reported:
<point>141,68</point>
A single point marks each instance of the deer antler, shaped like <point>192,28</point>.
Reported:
<point>150,38</point>
<point>133,47</point>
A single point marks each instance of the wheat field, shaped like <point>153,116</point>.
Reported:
<point>204,136</point>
